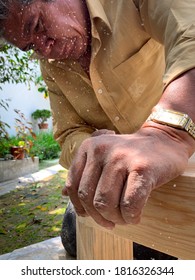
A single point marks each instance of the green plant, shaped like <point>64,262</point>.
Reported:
<point>41,115</point>
<point>17,67</point>
<point>42,87</point>
<point>7,143</point>
<point>4,147</point>
<point>23,130</point>
<point>45,146</point>
<point>3,125</point>
<point>24,137</point>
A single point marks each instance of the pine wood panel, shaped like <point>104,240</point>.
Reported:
<point>167,225</point>
<point>93,243</point>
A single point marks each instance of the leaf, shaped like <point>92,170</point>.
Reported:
<point>21,227</point>
<point>3,231</point>
<point>41,208</point>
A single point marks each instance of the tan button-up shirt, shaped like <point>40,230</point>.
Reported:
<point>138,47</point>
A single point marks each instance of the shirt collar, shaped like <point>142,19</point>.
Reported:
<point>96,11</point>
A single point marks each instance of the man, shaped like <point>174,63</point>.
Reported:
<point>107,65</point>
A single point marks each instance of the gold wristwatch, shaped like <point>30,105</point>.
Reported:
<point>174,119</point>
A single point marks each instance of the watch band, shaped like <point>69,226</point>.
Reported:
<point>190,128</point>
<point>173,119</point>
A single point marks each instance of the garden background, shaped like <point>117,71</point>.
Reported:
<point>32,212</point>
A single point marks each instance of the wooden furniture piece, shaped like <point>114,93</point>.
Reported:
<point>167,225</point>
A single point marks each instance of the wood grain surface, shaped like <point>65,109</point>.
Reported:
<point>167,225</point>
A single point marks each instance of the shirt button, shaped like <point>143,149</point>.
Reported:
<point>100,91</point>
<point>116,119</point>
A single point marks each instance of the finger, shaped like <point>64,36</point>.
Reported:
<point>134,197</point>
<point>108,193</point>
<point>73,181</point>
<point>87,189</point>
<point>64,191</point>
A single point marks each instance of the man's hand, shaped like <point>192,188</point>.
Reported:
<point>112,175</point>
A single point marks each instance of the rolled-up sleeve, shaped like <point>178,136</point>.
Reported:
<point>172,23</point>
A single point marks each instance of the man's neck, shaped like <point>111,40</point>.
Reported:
<point>85,59</point>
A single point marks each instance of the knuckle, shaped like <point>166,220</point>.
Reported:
<point>68,187</point>
<point>99,148</point>
<point>93,145</point>
<point>100,206</point>
<point>83,196</point>
<point>141,168</point>
<point>118,157</point>
<point>130,209</point>
<point>85,144</point>
<point>126,205</point>
<point>131,213</point>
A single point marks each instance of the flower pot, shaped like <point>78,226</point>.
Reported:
<point>17,152</point>
<point>43,125</point>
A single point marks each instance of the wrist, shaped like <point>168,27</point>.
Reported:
<point>174,133</point>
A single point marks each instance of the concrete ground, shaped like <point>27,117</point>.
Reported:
<point>8,186</point>
<point>51,249</point>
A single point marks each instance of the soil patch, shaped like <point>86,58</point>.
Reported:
<point>32,213</point>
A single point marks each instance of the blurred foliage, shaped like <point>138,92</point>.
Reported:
<point>44,146</point>
<point>17,67</point>
<point>24,129</point>
<point>24,134</point>
<point>3,125</point>
<point>41,86</point>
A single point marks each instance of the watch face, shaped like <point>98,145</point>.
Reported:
<point>175,119</point>
<point>172,118</point>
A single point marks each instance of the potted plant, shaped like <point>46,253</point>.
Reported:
<point>18,152</point>
<point>42,116</point>
<point>23,130</point>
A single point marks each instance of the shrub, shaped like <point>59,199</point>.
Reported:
<point>5,145</point>
<point>45,147</point>
<point>41,115</point>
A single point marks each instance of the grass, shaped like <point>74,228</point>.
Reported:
<point>32,213</point>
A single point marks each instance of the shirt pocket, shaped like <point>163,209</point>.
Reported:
<point>141,74</point>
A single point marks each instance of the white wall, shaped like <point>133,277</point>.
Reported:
<point>23,99</point>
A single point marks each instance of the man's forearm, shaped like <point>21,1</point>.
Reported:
<point>179,96</point>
